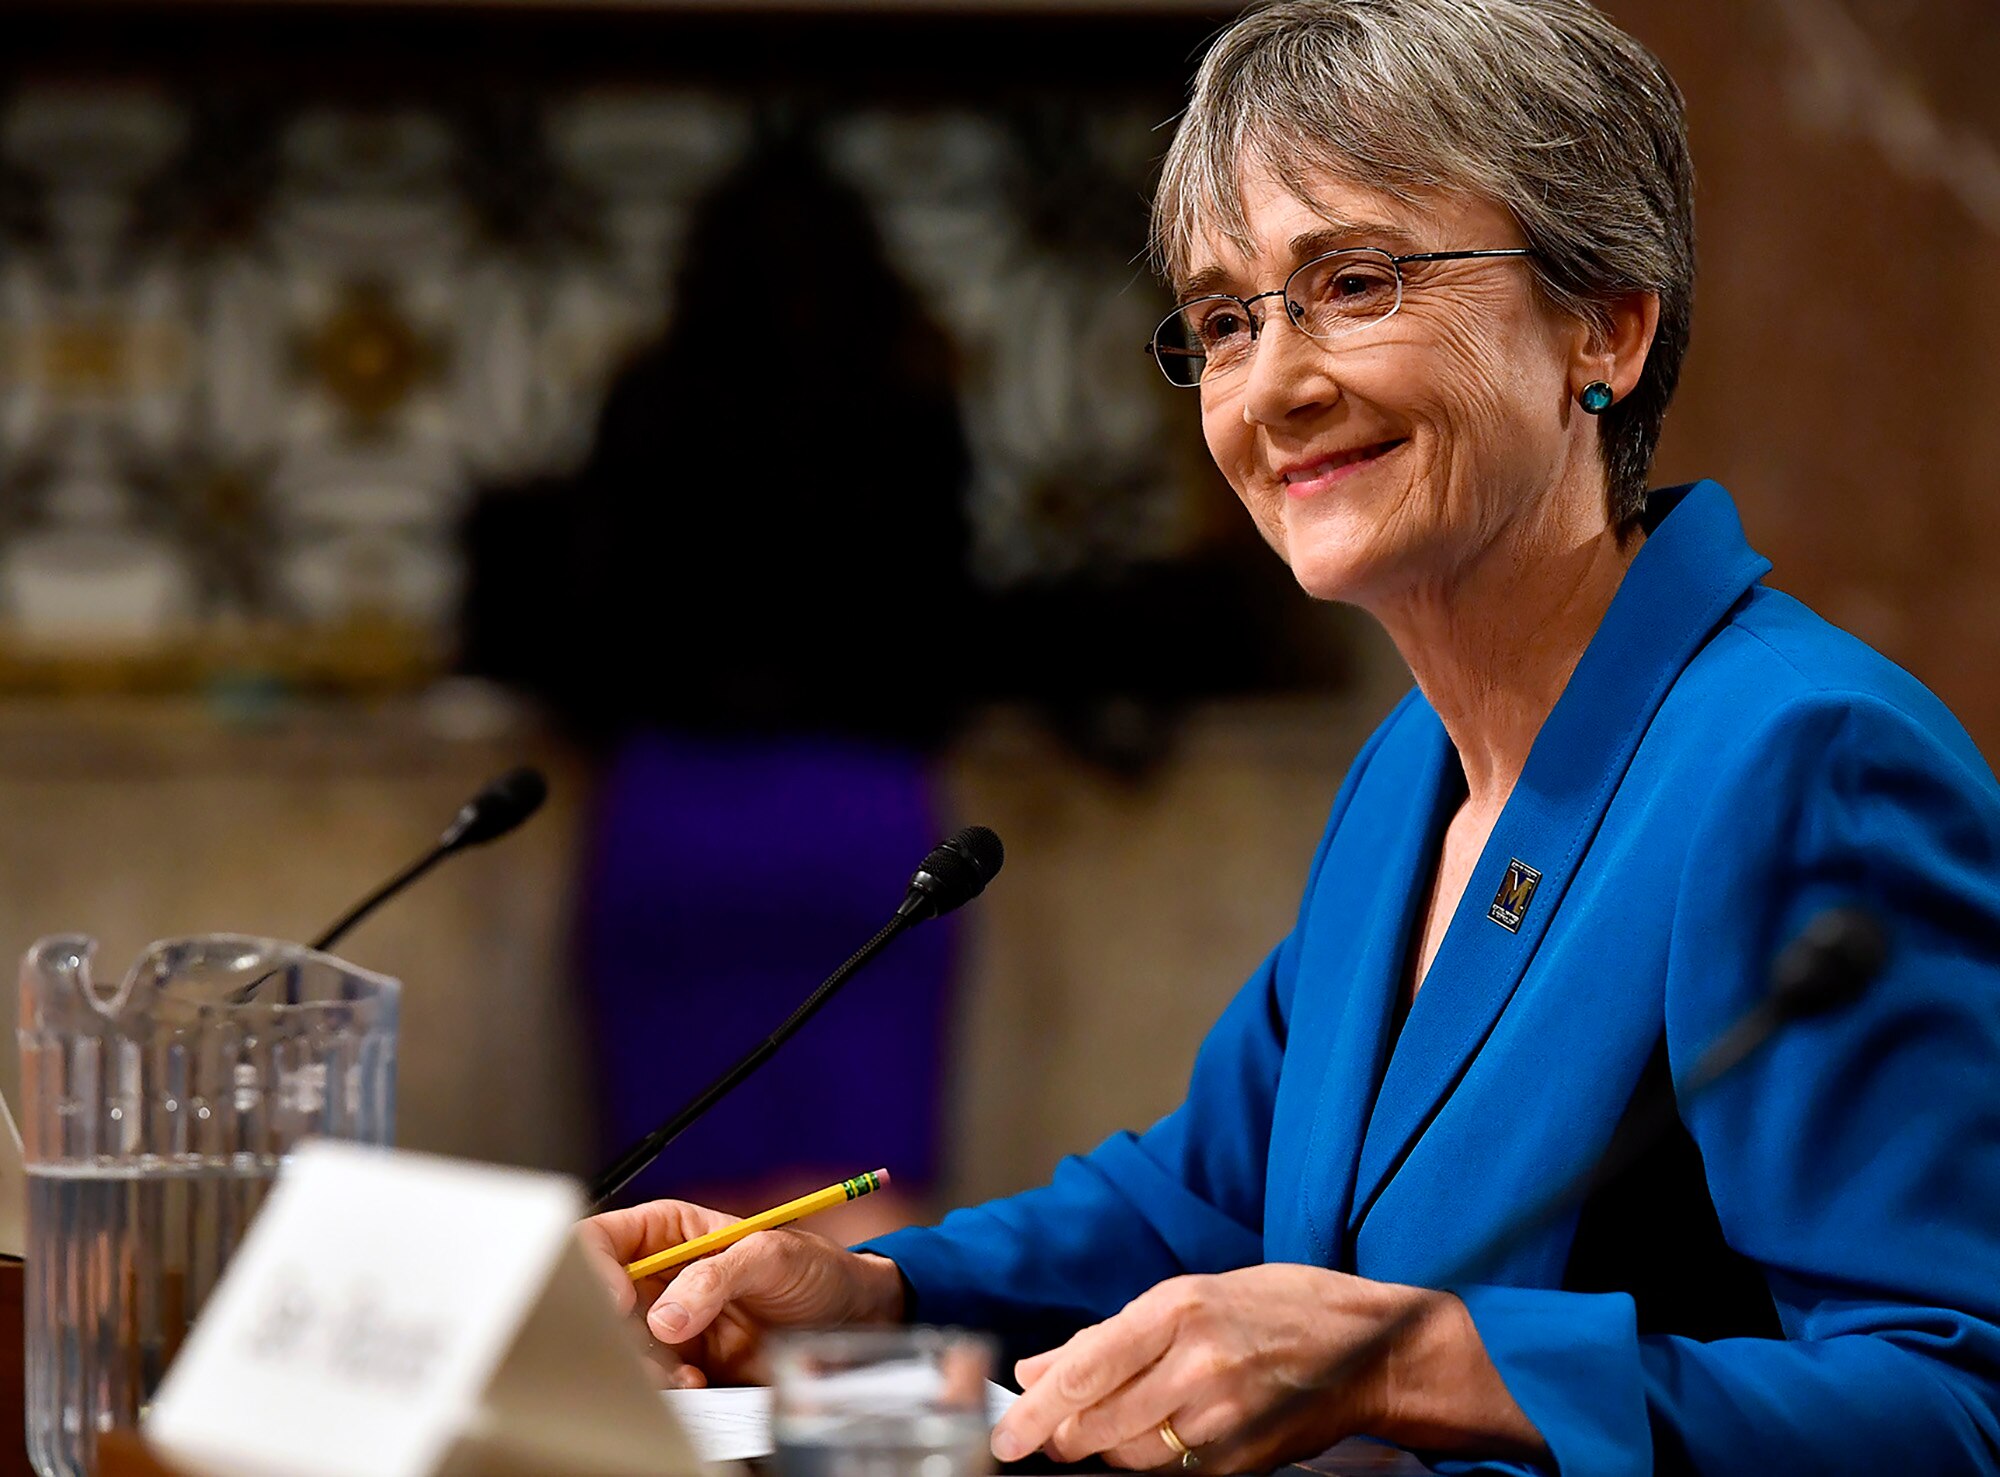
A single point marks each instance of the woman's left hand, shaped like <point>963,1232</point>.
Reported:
<point>1217,1355</point>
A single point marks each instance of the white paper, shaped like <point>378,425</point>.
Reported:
<point>399,1315</point>
<point>729,1425</point>
<point>734,1424</point>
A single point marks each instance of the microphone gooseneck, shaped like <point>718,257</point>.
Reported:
<point>497,809</point>
<point>1829,964</point>
<point>955,872</point>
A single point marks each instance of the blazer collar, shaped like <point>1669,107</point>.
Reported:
<point>1693,568</point>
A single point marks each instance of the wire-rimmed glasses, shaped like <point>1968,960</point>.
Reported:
<point>1329,297</point>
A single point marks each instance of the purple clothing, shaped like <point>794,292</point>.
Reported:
<point>726,878</point>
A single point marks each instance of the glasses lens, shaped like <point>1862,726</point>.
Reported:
<point>1346,290</point>
<point>1174,350</point>
<point>1202,339</point>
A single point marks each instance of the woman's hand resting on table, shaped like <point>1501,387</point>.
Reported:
<point>1218,1355</point>
<point>705,1322</point>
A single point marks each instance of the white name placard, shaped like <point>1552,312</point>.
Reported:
<point>398,1315</point>
<point>13,1187</point>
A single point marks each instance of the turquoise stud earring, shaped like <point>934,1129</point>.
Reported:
<point>1596,397</point>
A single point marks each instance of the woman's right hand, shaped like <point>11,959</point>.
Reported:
<point>706,1321</point>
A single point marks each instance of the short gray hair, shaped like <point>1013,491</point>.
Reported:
<point>1541,106</point>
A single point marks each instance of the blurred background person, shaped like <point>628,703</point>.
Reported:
<point>762,616</point>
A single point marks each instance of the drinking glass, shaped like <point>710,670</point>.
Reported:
<point>882,1402</point>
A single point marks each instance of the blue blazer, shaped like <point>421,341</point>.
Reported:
<point>1722,766</point>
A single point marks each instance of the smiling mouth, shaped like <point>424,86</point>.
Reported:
<point>1321,474</point>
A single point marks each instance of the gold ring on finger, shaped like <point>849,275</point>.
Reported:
<point>1179,1447</point>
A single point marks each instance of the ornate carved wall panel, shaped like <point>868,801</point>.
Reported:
<point>252,365</point>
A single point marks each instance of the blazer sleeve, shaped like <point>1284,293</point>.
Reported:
<point>1856,1158</point>
<point>1185,1196</point>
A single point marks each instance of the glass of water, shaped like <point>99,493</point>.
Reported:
<point>154,1116</point>
<point>882,1402</point>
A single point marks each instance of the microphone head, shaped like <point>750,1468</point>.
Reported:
<point>980,846</point>
<point>956,872</point>
<point>1830,963</point>
<point>497,809</point>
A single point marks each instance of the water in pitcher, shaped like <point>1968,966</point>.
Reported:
<point>125,1259</point>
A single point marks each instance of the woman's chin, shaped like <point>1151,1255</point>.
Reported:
<point>1342,549</point>
<point>1345,575</point>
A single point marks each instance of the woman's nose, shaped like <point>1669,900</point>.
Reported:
<point>1289,372</point>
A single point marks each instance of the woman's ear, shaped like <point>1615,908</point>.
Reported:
<point>1616,352</point>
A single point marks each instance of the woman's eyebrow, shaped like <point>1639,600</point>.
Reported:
<point>1201,284</point>
<point>1304,247</point>
<point>1309,244</point>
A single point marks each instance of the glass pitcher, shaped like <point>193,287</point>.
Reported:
<point>154,1116</point>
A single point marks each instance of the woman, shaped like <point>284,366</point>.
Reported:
<point>1435,260</point>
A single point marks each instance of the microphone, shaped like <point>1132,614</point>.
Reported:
<point>487,816</point>
<point>503,805</point>
<point>496,810</point>
<point>1827,966</point>
<point>1830,964</point>
<point>956,871</point>
<point>953,874</point>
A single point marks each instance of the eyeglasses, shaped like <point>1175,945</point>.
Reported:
<point>1328,297</point>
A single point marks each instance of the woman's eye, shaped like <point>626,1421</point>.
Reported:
<point>1222,327</point>
<point>1356,284</point>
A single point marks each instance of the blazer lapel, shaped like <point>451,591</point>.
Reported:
<point>1694,567</point>
<point>1369,892</point>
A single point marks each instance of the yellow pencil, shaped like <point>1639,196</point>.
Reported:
<point>777,1215</point>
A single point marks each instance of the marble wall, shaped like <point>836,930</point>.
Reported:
<point>1844,361</point>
